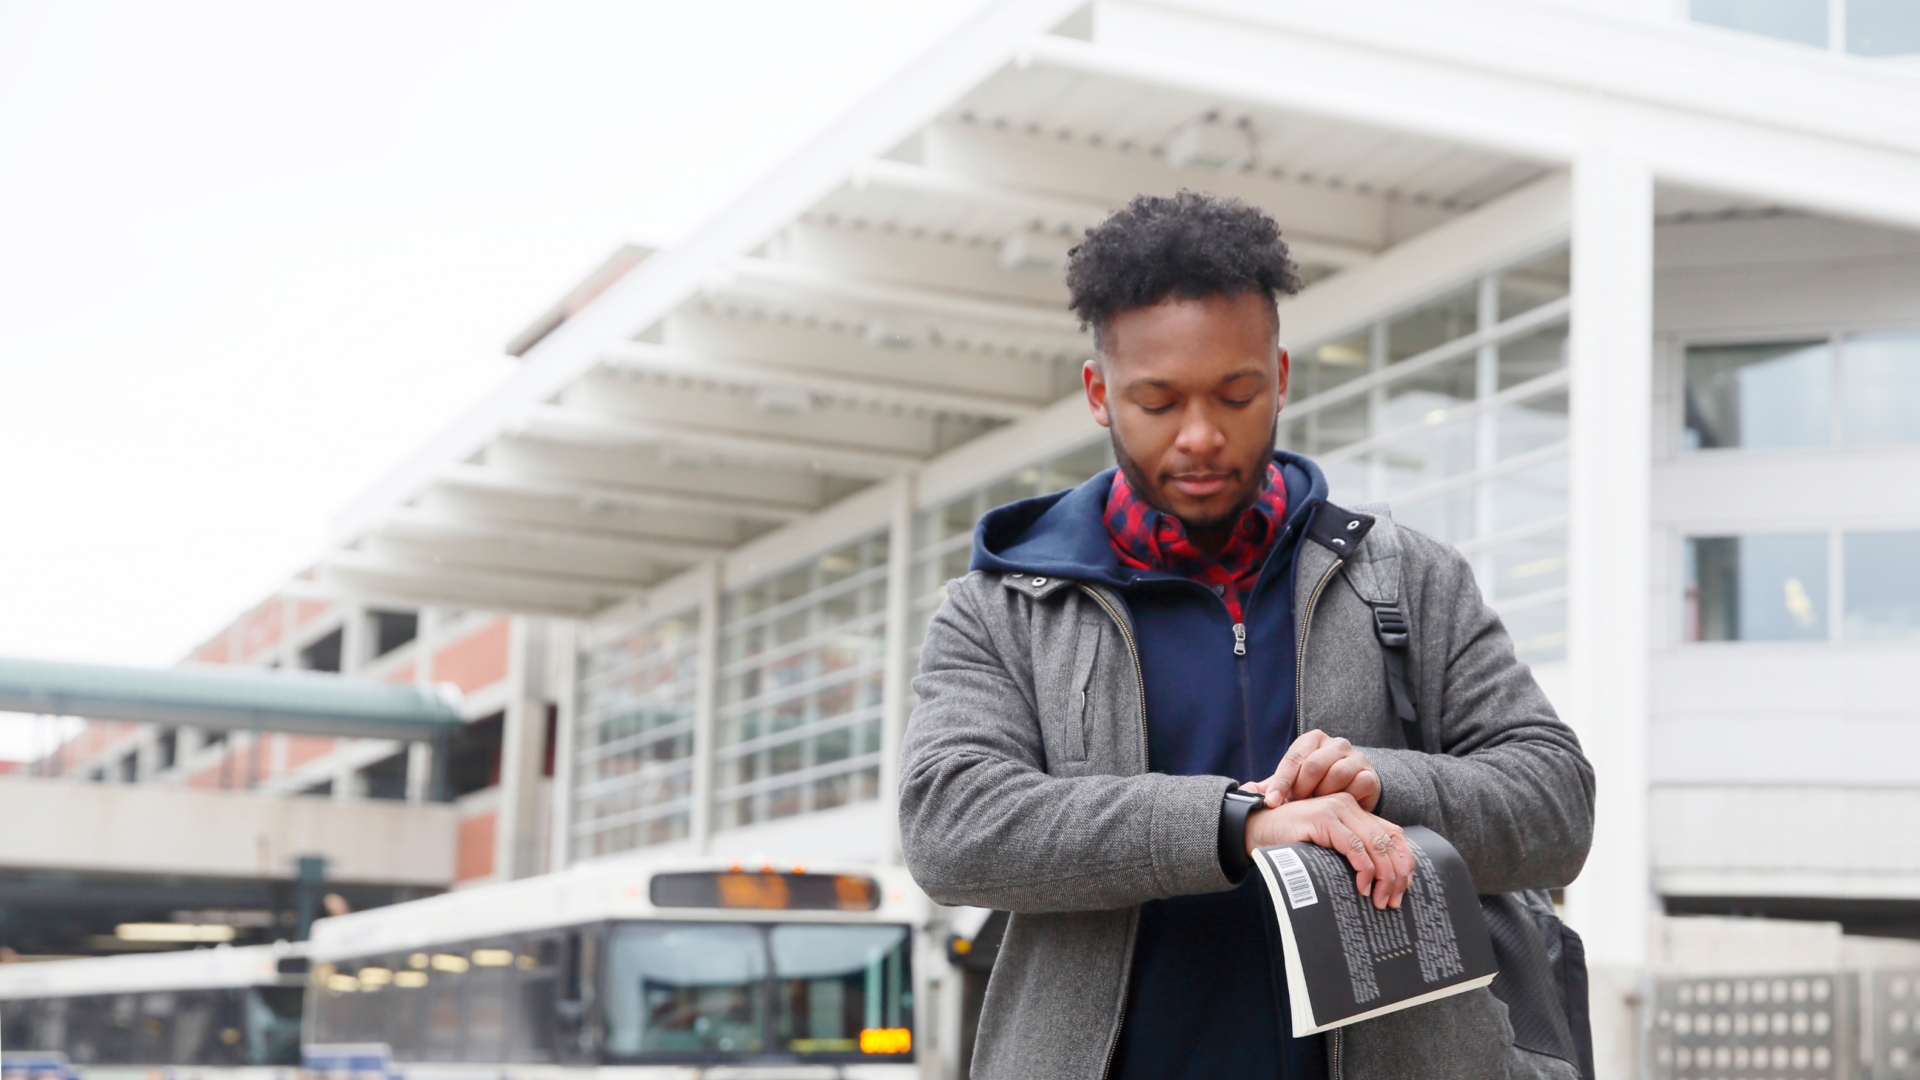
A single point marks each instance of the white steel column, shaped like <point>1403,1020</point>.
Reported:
<point>564,664</point>
<point>896,682</point>
<point>1608,580</point>
<point>420,754</point>
<point>523,740</point>
<point>706,695</point>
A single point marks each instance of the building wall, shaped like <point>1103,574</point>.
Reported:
<point>1768,754</point>
<point>482,659</point>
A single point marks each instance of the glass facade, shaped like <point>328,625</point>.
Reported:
<point>1455,414</point>
<point>1843,390</point>
<point>1760,587</point>
<point>1859,27</point>
<point>1880,389</point>
<point>1881,586</point>
<point>633,755</point>
<point>1850,586</point>
<point>1769,394</point>
<point>943,534</point>
<point>797,727</point>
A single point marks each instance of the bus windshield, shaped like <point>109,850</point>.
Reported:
<point>729,990</point>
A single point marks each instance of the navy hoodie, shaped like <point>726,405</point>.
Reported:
<point>1207,996</point>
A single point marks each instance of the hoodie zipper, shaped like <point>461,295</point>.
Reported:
<point>1335,1043</point>
<point>1140,680</point>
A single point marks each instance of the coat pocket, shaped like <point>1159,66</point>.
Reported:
<point>1068,713</point>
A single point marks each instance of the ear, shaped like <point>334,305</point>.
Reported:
<point>1280,386</point>
<point>1096,383</point>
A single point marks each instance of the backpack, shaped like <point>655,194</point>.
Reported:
<point>1543,964</point>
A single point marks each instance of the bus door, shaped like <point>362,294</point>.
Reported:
<point>577,1004</point>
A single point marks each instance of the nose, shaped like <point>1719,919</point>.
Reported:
<point>1200,437</point>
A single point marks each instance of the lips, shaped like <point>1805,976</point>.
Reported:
<point>1201,485</point>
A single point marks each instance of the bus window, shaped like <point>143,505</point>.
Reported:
<point>685,989</point>
<point>489,979</point>
<point>273,1025</point>
<point>842,989</point>
<point>445,1029</point>
<point>406,1004</point>
<point>531,1034</point>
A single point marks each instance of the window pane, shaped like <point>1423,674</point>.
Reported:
<point>687,989</point>
<point>1757,588</point>
<point>1801,21</point>
<point>1882,586</point>
<point>1320,369</point>
<point>1528,358</point>
<point>1533,565</point>
<point>1530,425</point>
<point>1527,496</point>
<point>1329,429</point>
<point>1883,27</point>
<point>834,982</point>
<point>1757,395</point>
<point>1526,287</point>
<point>1539,632</point>
<point>1452,316</point>
<point>1880,388</point>
<point>1447,516</point>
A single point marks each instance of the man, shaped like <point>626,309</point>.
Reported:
<point>1126,654</point>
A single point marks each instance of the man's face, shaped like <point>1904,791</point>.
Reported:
<point>1191,390</point>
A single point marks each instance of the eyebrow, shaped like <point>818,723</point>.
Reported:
<point>1243,373</point>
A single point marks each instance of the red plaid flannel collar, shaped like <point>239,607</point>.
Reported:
<point>1147,539</point>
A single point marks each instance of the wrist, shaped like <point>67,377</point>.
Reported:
<point>1236,854</point>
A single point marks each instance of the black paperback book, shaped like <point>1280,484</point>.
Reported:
<point>1348,962</point>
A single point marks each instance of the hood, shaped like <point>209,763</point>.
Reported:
<point>1064,534</point>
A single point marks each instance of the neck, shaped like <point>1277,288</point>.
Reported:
<point>1212,540</point>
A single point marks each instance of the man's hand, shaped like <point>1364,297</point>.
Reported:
<point>1318,764</point>
<point>1375,846</point>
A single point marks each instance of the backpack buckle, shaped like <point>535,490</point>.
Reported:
<point>1390,626</point>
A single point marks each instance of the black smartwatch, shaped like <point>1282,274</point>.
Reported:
<point>1235,808</point>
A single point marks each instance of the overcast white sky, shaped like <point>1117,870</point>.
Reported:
<point>253,255</point>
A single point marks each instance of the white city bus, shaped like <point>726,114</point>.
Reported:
<point>639,968</point>
<point>219,1013</point>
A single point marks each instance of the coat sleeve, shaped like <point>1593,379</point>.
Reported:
<point>1511,788</point>
<point>982,822</point>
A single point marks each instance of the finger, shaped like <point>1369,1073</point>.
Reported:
<point>1338,835</point>
<point>1280,784</point>
<point>1365,789</point>
<point>1392,842</point>
<point>1313,769</point>
<point>1379,851</point>
<point>1341,775</point>
<point>1408,864</point>
<point>1253,787</point>
<point>1318,766</point>
<point>1366,830</point>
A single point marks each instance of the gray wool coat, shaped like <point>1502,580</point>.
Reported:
<point>1024,787</point>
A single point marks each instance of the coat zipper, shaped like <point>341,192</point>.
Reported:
<point>1140,680</point>
<point>1300,660</point>
<point>1335,1044</point>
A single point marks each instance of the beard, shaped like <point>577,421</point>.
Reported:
<point>1252,480</point>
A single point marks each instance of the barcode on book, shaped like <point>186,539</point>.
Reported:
<point>1293,875</point>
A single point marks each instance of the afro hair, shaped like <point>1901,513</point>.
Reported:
<point>1191,246</point>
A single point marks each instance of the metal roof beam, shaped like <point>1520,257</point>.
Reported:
<point>226,697</point>
<point>597,556</point>
<point>765,272</point>
<point>1059,211</point>
<point>539,485</point>
<point>423,581</point>
<point>559,421</point>
<point>658,360</point>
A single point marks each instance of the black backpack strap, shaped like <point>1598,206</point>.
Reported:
<point>1374,572</point>
<point>1390,626</point>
